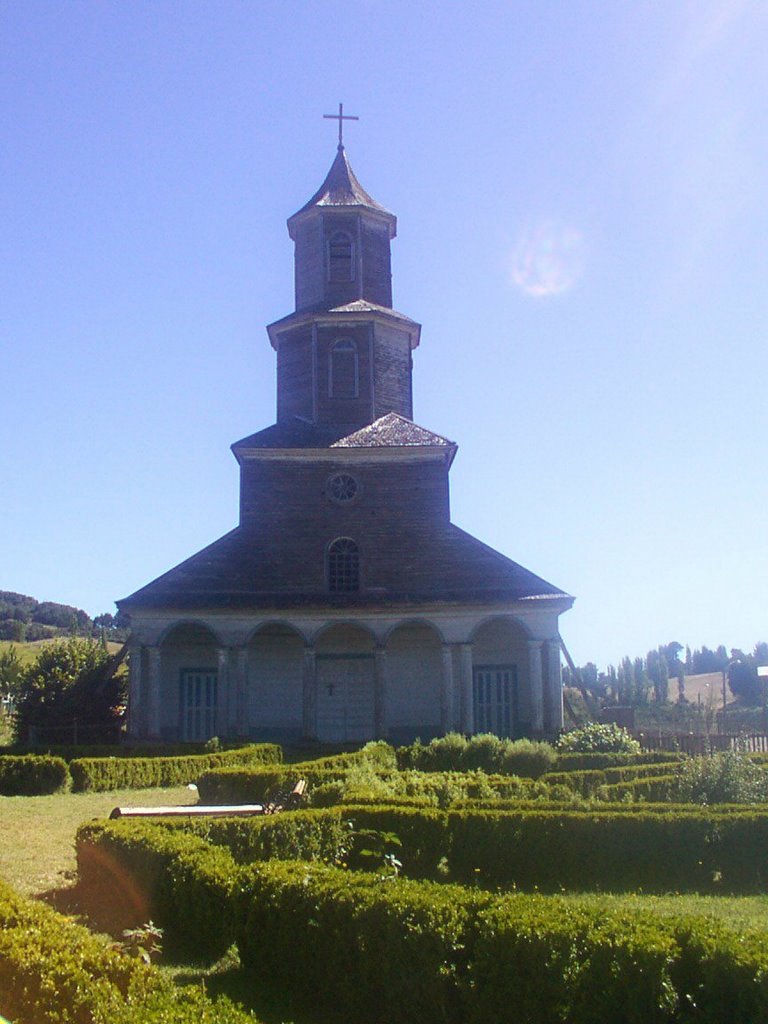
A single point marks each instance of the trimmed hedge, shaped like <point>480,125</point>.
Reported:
<point>409,951</point>
<point>588,781</point>
<point>486,752</point>
<point>584,762</point>
<point>98,774</point>
<point>371,950</point>
<point>691,849</point>
<point>175,879</point>
<point>30,775</point>
<point>53,971</point>
<point>656,789</point>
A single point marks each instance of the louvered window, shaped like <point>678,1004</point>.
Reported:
<point>341,263</point>
<point>343,371</point>
<point>343,566</point>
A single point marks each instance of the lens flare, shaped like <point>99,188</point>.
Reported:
<point>548,259</point>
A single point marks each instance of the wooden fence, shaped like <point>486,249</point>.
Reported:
<point>698,743</point>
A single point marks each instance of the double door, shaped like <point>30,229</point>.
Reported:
<point>345,703</point>
<point>495,699</point>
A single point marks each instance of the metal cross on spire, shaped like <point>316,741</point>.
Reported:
<point>341,117</point>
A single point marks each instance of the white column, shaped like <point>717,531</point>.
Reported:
<point>153,693</point>
<point>467,694</point>
<point>380,725</point>
<point>309,710</point>
<point>224,701</point>
<point>135,696</point>
<point>536,685</point>
<point>446,691</point>
<point>554,720</point>
<point>241,699</point>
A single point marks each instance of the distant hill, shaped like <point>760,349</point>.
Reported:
<point>24,618</point>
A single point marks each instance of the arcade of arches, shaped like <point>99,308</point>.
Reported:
<point>345,681</point>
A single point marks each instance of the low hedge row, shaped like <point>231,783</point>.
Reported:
<point>692,849</point>
<point>255,785</point>
<point>53,971</point>
<point>588,781</point>
<point>404,950</point>
<point>654,788</point>
<point>179,880</point>
<point>410,951</point>
<point>98,774</point>
<point>32,775</point>
<point>583,762</point>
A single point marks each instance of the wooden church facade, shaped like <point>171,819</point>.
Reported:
<point>345,606</point>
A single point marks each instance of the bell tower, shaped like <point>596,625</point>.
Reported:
<point>344,354</point>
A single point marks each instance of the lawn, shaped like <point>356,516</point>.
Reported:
<point>37,833</point>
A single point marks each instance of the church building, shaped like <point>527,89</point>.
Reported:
<point>344,606</point>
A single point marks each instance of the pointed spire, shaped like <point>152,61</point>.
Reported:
<point>341,188</point>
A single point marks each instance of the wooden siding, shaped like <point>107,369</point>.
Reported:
<point>309,264</point>
<point>376,263</point>
<point>414,680</point>
<point>294,375</point>
<point>274,685</point>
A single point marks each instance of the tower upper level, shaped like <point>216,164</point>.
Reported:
<point>342,244</point>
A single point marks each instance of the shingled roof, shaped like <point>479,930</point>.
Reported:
<point>272,568</point>
<point>393,431</point>
<point>341,188</point>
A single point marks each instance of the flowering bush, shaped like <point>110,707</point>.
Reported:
<point>597,737</point>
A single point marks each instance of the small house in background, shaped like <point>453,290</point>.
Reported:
<point>345,605</point>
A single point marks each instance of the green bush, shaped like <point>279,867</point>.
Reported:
<point>728,777</point>
<point>583,762</point>
<point>405,951</point>
<point>589,781</point>
<point>484,752</point>
<point>105,773</point>
<point>53,971</point>
<point>599,738</point>
<point>32,775</point>
<point>652,788</point>
<point>178,880</point>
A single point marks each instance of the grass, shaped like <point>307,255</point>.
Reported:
<point>37,838</point>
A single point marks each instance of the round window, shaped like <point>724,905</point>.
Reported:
<point>342,487</point>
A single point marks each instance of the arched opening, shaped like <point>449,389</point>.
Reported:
<point>190,687</point>
<point>341,263</point>
<point>273,683</point>
<point>343,566</point>
<point>415,680</point>
<point>501,692</point>
<point>343,376</point>
<point>345,679</point>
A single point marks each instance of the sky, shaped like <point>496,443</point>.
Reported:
<point>582,217</point>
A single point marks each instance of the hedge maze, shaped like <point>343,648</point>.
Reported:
<point>400,897</point>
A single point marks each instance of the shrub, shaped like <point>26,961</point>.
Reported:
<point>105,773</point>
<point>178,880</point>
<point>727,777</point>
<point>30,775</point>
<point>483,752</point>
<point>54,971</point>
<point>568,762</point>
<point>599,737</point>
<point>405,951</point>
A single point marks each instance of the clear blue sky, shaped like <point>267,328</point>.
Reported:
<point>583,212</point>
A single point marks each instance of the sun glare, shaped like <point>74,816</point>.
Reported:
<point>548,259</point>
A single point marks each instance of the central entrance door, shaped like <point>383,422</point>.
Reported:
<point>495,698</point>
<point>198,699</point>
<point>345,698</point>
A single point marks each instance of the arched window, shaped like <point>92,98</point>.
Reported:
<point>342,370</point>
<point>343,566</point>
<point>341,263</point>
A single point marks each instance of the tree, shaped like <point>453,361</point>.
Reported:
<point>10,672</point>
<point>743,680</point>
<point>72,685</point>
